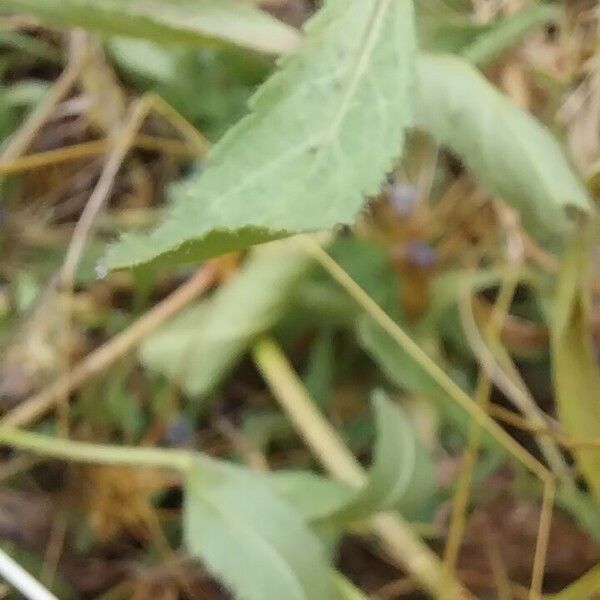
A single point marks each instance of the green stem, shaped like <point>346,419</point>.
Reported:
<point>54,447</point>
<point>397,537</point>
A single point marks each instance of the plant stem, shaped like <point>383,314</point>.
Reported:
<point>95,453</point>
<point>395,535</point>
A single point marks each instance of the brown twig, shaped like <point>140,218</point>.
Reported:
<point>105,356</point>
<point>120,147</point>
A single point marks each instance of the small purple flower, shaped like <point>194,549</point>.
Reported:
<point>420,254</point>
<point>178,432</point>
<point>403,198</point>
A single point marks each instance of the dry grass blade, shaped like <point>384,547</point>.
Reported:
<point>541,548</point>
<point>20,141</point>
<point>482,396</point>
<point>92,149</point>
<point>123,140</point>
<point>460,499</point>
<point>478,415</point>
<point>108,354</point>
<point>409,346</point>
<point>119,148</point>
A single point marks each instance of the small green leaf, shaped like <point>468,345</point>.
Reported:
<point>506,32</point>
<point>445,30</point>
<point>315,497</point>
<point>512,154</point>
<point>192,22</point>
<point>251,538</point>
<point>199,346</point>
<point>454,33</point>
<point>323,132</point>
<point>402,474</point>
<point>575,370</point>
<point>401,477</point>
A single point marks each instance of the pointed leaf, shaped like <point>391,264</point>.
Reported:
<point>401,476</point>
<point>315,497</point>
<point>192,22</point>
<point>512,154</point>
<point>323,132</point>
<point>402,473</point>
<point>250,538</point>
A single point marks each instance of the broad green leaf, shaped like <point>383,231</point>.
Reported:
<point>322,134</point>
<point>401,477</point>
<point>512,154</point>
<point>192,22</point>
<point>575,370</point>
<point>199,346</point>
<point>251,538</point>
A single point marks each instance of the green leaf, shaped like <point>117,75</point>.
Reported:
<point>442,30</point>
<point>506,32</point>
<point>512,154</point>
<point>323,132</point>
<point>401,477</point>
<point>451,32</point>
<point>575,370</point>
<point>251,538</point>
<point>192,22</point>
<point>199,346</point>
<point>313,496</point>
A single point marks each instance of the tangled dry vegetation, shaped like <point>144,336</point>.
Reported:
<point>263,361</point>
